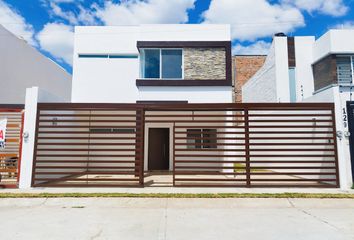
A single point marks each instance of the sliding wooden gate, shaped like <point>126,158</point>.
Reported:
<point>223,145</point>
<point>88,145</point>
<point>10,154</point>
<point>255,145</point>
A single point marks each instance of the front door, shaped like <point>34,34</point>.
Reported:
<point>158,149</point>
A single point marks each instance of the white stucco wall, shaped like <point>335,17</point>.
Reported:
<point>185,32</point>
<point>271,82</point>
<point>200,94</point>
<point>281,69</point>
<point>303,70</point>
<point>326,95</point>
<point>22,67</point>
<point>339,96</point>
<point>322,46</point>
<point>105,80</point>
<point>262,86</point>
<point>339,41</point>
<point>113,80</point>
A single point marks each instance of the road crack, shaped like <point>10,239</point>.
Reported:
<point>97,235</point>
<point>311,215</point>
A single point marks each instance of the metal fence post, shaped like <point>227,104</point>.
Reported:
<point>141,145</point>
<point>247,149</point>
<point>334,135</point>
<point>173,154</point>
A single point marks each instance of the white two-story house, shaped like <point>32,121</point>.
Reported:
<point>154,103</point>
<point>128,64</point>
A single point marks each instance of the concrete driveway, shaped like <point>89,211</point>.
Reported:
<point>152,218</point>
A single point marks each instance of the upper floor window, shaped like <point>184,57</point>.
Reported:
<point>161,63</point>
<point>345,66</point>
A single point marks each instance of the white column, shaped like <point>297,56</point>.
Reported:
<point>29,129</point>
<point>343,148</point>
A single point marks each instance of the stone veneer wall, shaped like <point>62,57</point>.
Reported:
<point>243,68</point>
<point>204,63</point>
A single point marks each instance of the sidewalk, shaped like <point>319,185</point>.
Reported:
<point>174,190</point>
<point>176,219</point>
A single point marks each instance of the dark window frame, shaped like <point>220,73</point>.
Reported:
<point>189,44</point>
<point>161,67</point>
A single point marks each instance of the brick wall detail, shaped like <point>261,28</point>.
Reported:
<point>244,67</point>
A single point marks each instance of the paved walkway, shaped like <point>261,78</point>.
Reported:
<point>131,218</point>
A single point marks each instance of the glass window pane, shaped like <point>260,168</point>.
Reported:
<point>292,84</point>
<point>171,63</point>
<point>209,138</point>
<point>194,138</point>
<point>344,70</point>
<point>151,63</point>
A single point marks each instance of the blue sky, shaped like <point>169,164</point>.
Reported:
<point>48,24</point>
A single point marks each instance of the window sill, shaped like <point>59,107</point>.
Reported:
<point>182,82</point>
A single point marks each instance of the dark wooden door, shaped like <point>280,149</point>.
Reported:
<point>350,114</point>
<point>158,149</point>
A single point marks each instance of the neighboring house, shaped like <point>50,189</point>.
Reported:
<point>126,64</point>
<point>286,75</point>
<point>305,69</point>
<point>244,67</point>
<point>22,66</point>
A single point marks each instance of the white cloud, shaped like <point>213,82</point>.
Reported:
<point>86,16</point>
<point>59,1</point>
<point>47,2</point>
<point>79,16</point>
<point>15,23</point>
<point>58,40</point>
<point>254,19</point>
<point>123,13</point>
<point>151,11</point>
<point>257,48</point>
<point>344,25</point>
<point>327,7</point>
<point>57,11</point>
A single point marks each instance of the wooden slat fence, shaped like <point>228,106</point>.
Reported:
<point>221,145</point>
<point>256,145</point>
<point>88,146</point>
<point>10,155</point>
